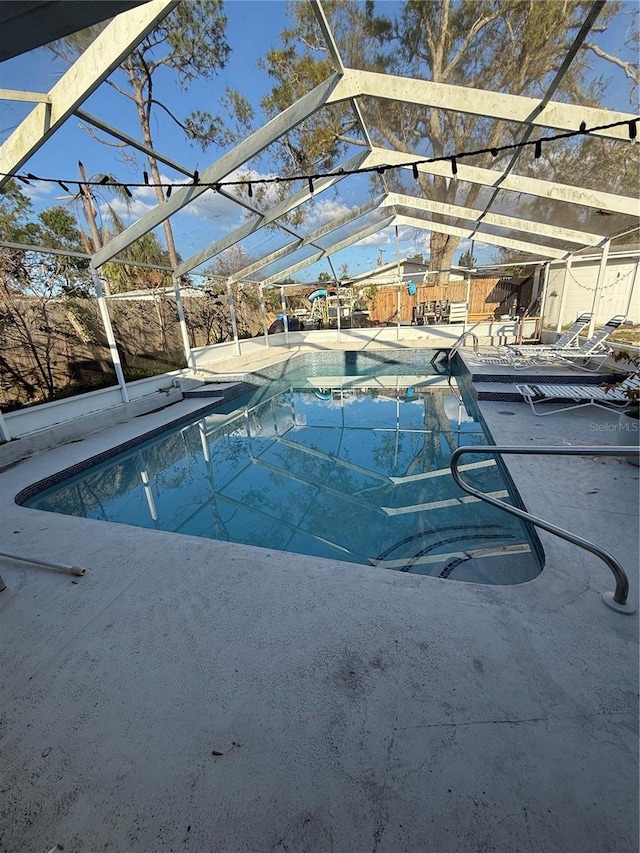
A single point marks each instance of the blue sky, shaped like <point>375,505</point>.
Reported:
<point>253,27</point>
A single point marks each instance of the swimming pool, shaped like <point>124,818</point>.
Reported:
<point>338,455</point>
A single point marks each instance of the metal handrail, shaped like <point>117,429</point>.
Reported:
<point>451,351</point>
<point>616,600</point>
<point>454,349</point>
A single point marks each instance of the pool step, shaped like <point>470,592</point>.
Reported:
<point>219,391</point>
<point>409,563</point>
<point>416,381</point>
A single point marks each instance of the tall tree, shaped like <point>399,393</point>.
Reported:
<point>495,45</point>
<point>191,43</point>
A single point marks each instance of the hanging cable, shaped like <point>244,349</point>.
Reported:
<point>453,159</point>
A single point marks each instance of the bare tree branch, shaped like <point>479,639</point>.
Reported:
<point>631,69</point>
<point>475,29</point>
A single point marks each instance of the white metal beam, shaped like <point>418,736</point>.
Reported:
<point>268,218</point>
<point>248,148</point>
<point>93,66</point>
<point>19,95</point>
<point>332,46</point>
<point>582,196</point>
<point>310,239</point>
<point>66,253</point>
<point>481,237</point>
<point>582,238</point>
<point>343,244</point>
<point>130,140</point>
<point>464,99</point>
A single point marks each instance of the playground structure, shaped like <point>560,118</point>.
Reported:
<point>327,304</point>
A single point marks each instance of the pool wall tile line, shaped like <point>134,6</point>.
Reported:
<point>218,399</point>
<point>59,477</point>
<point>317,362</point>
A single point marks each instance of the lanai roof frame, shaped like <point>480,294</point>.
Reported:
<point>349,85</point>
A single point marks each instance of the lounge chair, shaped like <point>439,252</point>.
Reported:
<point>568,339</point>
<point>593,349</point>
<point>614,397</point>
<point>506,354</point>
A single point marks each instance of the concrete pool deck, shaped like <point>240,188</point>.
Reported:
<point>189,694</point>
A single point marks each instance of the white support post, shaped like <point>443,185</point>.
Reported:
<point>399,274</point>
<point>565,289</point>
<point>263,312</point>
<point>338,318</point>
<point>597,294</point>
<point>543,298</point>
<point>5,435</point>
<point>635,282</point>
<point>232,312</point>
<point>285,318</point>
<point>191,362</point>
<point>534,295</point>
<point>111,339</point>
<point>468,296</point>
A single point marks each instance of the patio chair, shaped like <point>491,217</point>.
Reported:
<point>568,339</point>
<point>615,397</point>
<point>418,313</point>
<point>593,349</point>
<point>458,312</point>
<point>506,354</point>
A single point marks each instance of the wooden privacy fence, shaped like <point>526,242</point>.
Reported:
<point>489,297</point>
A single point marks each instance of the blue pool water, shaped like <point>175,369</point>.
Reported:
<point>339,458</point>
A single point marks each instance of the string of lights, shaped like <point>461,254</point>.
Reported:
<point>107,180</point>
<point>614,282</point>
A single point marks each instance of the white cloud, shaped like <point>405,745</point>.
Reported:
<point>212,205</point>
<point>215,205</point>
<point>326,210</point>
<point>379,239</point>
<point>39,191</point>
<point>207,206</point>
<point>128,212</point>
<point>387,237</point>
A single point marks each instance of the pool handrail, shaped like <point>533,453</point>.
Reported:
<point>451,351</point>
<point>616,600</point>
